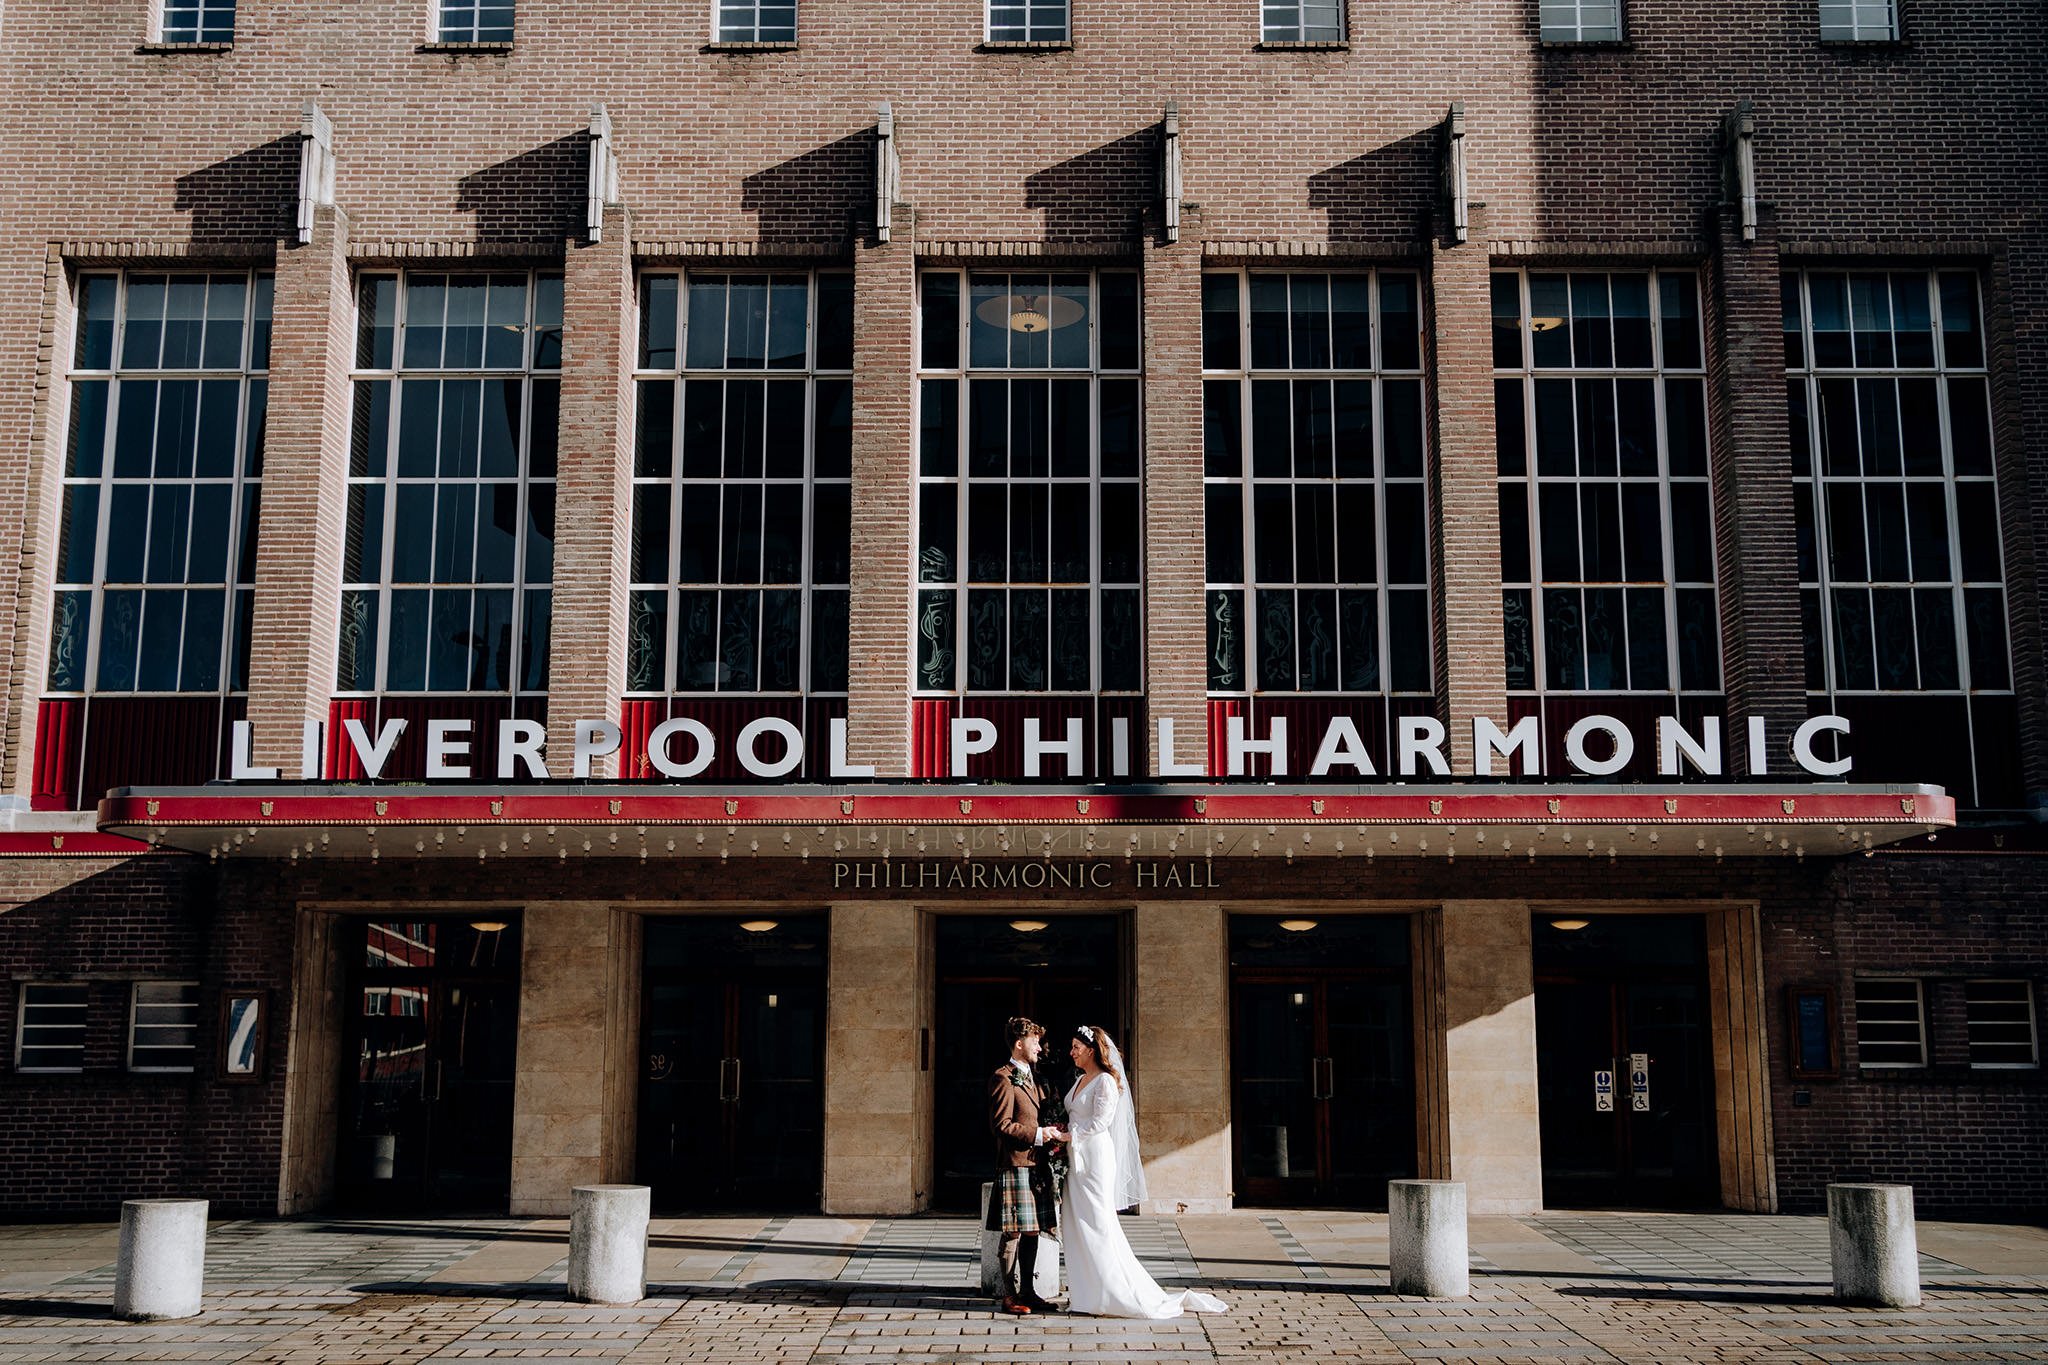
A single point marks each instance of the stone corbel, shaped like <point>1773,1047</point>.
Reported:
<point>1738,133</point>
<point>888,172</point>
<point>604,173</point>
<point>1455,201</point>
<point>316,167</point>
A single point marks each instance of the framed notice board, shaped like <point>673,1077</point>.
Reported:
<point>1810,1028</point>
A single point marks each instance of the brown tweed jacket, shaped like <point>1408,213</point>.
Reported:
<point>1013,1116</point>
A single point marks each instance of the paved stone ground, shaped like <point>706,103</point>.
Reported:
<point>1301,1284</point>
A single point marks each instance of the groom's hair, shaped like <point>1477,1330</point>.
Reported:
<point>1020,1027</point>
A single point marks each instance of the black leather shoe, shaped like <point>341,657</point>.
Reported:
<point>1038,1305</point>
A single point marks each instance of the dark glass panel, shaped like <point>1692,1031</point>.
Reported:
<point>184,320</point>
<point>835,320</point>
<point>120,631</point>
<point>1557,523</point>
<point>1117,319</point>
<point>781,641</point>
<point>1838,441</point>
<point>829,637</point>
<point>703,428</point>
<point>252,514</point>
<point>789,306</point>
<point>156,670</point>
<point>1407,534</point>
<point>988,328</point>
<point>127,532</point>
<point>696,641</point>
<point>93,347</point>
<point>1984,613</point>
<point>832,438</point>
<point>1507,320</point>
<point>1030,533</point>
<point>746,422</point>
<point>1315,534</point>
<point>363,555</point>
<point>1632,349</point>
<point>1870,318</point>
<point>1592,327</point>
<point>455,533</point>
<point>1814,644</point>
<point>1351,322</point>
<point>1510,429</point>
<point>1802,511</point>
<point>1400,323</point>
<point>1268,296</point>
<point>1679,320</point>
<point>170,526</point>
<point>1563,639</point>
<point>1314,443</point>
<point>1072,642</point>
<point>1934,624</point>
<point>1885,515</point>
<point>1854,668</point>
<point>1692,534</point>
<point>1222,433</point>
<point>1030,428</point>
<point>1275,609</point>
<point>1891,611</point>
<point>540,534</point>
<point>658,322</point>
<point>1793,310</point>
<point>538,608</point>
<point>86,441</point>
<point>1067,428</point>
<point>78,533</point>
<point>211,535</point>
<point>783,429</point>
<point>1636,425</point>
<point>1118,436</point>
<point>451,647</point>
<point>1600,533</point>
<point>1352,428</point>
<point>987,633</point>
<point>369,435</point>
<point>988,533</point>
<point>739,534</point>
<point>739,639</point>
<point>1595,410</point>
<point>419,427</point>
<point>939,426</point>
<point>499,429</point>
<point>1877,410</point>
<point>831,530</point>
<point>1642,532</point>
<point>1357,539</point>
<point>1606,643</point>
<point>1847,560</point>
<point>177,428</point>
<point>135,428</point>
<point>654,429</point>
<point>1068,523</point>
<point>1220,350</point>
<point>746,330</point>
<point>1549,321</point>
<point>1223,532</point>
<point>1401,427</point>
<point>1226,641</point>
<point>1272,533</point>
<point>1977,532</point>
<point>1828,293</point>
<point>1122,651</point>
<point>1028,640</point>
<point>939,320</point>
<point>650,545</point>
<point>1408,648</point>
<point>697,537</point>
<point>1927,523</point>
<point>935,640</point>
<point>938,531</point>
<point>1358,629</point>
<point>1920,425</point>
<point>1520,639</point>
<point>1272,440</point>
<point>1969,426</point>
<point>704,332</point>
<point>1514,532</point>
<point>1699,641</point>
<point>1316,639</point>
<point>1912,320</point>
<point>1962,336</point>
<point>1649,666</point>
<point>1556,446</point>
<point>988,428</point>
<point>142,329</point>
<point>218,416</point>
<point>1122,539</point>
<point>491,653</point>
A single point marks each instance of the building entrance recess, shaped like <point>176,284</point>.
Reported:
<point>1063,972</point>
<point>432,1023</point>
<point>732,1074</point>
<point>1322,1074</point>
<point>1624,1062</point>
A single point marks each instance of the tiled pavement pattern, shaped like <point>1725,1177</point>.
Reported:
<point>1301,1284</point>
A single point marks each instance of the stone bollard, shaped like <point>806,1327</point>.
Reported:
<point>1872,1243</point>
<point>608,1243</point>
<point>1426,1253</point>
<point>162,1263</point>
<point>1045,1273</point>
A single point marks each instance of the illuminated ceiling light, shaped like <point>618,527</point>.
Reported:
<point>1297,926</point>
<point>1030,313</point>
<point>757,926</point>
<point>1569,924</point>
<point>1545,324</point>
<point>1027,926</point>
<point>488,926</point>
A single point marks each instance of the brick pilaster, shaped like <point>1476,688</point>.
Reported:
<point>594,489</point>
<point>2020,503</point>
<point>1471,670</point>
<point>1756,535</point>
<point>305,494</point>
<point>882,634</point>
<point>1176,630</point>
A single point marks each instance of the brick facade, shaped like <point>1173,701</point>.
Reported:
<point>1899,154</point>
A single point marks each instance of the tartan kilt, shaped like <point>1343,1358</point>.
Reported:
<point>1023,1201</point>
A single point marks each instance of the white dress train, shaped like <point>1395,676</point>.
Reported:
<point>1103,1275</point>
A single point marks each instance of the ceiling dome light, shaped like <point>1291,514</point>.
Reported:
<point>757,926</point>
<point>1030,313</point>
<point>1297,926</point>
<point>488,926</point>
<point>1568,925</point>
<point>1027,926</point>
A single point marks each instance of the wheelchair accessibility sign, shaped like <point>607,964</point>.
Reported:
<point>1603,1092</point>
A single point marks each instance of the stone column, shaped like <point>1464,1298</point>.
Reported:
<point>1489,1056</point>
<point>569,1046</point>
<point>1176,628</point>
<point>1763,650</point>
<point>593,490</point>
<point>1471,671</point>
<point>884,493</point>
<point>1180,1050</point>
<point>878,1094</point>
<point>305,494</point>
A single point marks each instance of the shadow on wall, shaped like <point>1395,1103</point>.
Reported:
<point>252,196</point>
<point>1101,195</point>
<point>821,196</point>
<point>534,199</point>
<point>1383,194</point>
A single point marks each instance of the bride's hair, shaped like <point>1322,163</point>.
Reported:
<point>1097,1040</point>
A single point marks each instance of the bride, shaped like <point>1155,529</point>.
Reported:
<point>1104,1175</point>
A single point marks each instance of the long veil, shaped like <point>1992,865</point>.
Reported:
<point>1130,1165</point>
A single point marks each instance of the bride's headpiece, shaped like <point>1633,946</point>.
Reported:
<point>1087,1034</point>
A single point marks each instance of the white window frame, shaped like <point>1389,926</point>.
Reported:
<point>1567,21</point>
<point>21,1025</point>
<point>1919,1021</point>
<point>470,28</point>
<point>1334,15</point>
<point>2033,1059</point>
<point>244,488</point>
<point>1534,481</point>
<point>189,1004</point>
<point>526,374</point>
<point>1033,35</point>
<point>738,23</point>
<point>962,584</point>
<point>1245,375</point>
<point>806,585</point>
<point>1859,21</point>
<point>200,11</point>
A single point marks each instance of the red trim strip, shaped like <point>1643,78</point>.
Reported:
<point>91,844</point>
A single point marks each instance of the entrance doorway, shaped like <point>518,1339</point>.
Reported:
<point>432,1023</point>
<point>732,1075</point>
<point>1322,1049</point>
<point>1624,1063</point>
<point>1062,970</point>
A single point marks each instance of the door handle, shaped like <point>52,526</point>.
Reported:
<point>1329,1078</point>
<point>728,1079</point>
<point>1321,1077</point>
<point>735,1080</point>
<point>437,1082</point>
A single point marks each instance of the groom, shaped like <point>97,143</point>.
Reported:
<point>1023,1204</point>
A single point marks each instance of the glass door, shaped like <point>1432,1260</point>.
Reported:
<point>432,1028</point>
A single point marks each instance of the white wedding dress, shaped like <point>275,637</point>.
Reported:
<point>1103,1276</point>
